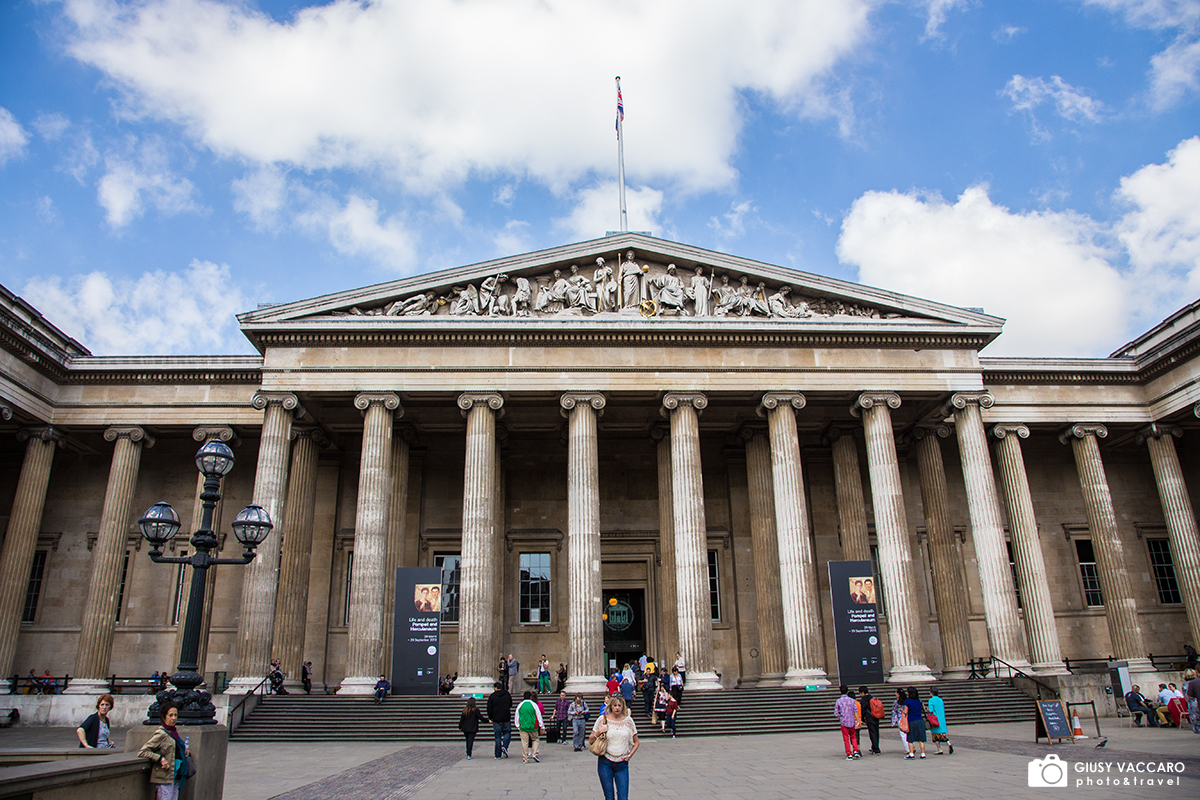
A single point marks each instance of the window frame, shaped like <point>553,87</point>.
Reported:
<point>34,587</point>
<point>446,587</point>
<point>546,592</point>
<point>1168,573</point>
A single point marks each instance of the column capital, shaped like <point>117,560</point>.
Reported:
<point>870,398</point>
<point>1157,430</point>
<point>1081,430</point>
<point>468,400</point>
<point>213,433</point>
<point>6,411</point>
<point>288,400</point>
<point>1002,429</point>
<point>1196,410</point>
<point>389,400</point>
<point>314,432</point>
<point>772,400</point>
<point>133,433</point>
<point>960,400</point>
<point>47,433</point>
<point>927,429</point>
<point>673,400</point>
<point>749,430</point>
<point>836,431</point>
<point>568,400</point>
<point>659,432</point>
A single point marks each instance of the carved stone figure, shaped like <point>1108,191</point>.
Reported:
<point>606,287</point>
<point>631,282</point>
<point>552,296</point>
<point>728,300</point>
<point>419,305</point>
<point>579,291</point>
<point>700,292</point>
<point>519,304</point>
<point>492,299</point>
<point>466,302</point>
<point>671,292</point>
<point>781,306</point>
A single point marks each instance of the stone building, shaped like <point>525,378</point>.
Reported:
<point>678,436</point>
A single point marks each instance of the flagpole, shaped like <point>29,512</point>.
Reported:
<point>621,156</point>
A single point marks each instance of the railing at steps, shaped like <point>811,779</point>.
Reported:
<point>240,705</point>
<point>1015,672</point>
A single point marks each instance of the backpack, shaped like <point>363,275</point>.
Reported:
<point>876,708</point>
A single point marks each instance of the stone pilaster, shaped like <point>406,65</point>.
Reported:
<point>797,562</point>
<point>364,652</point>
<point>498,562</point>
<point>1179,515</point>
<point>202,434</point>
<point>765,544</point>
<point>1005,631</point>
<point>1120,607</point>
<point>949,587</point>
<point>291,605</point>
<point>891,531</point>
<point>397,533</point>
<point>1040,627</point>
<point>691,539</point>
<point>100,607</point>
<point>477,595</point>
<point>256,623</point>
<point>851,506</point>
<point>20,541</point>
<point>586,629</point>
<point>668,619</point>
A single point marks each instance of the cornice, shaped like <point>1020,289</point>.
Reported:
<point>164,370</point>
<point>1026,371</point>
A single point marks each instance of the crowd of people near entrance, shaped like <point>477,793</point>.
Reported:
<point>914,720</point>
<point>1169,707</point>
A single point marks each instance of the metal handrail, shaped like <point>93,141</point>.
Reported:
<point>14,683</point>
<point>1068,661</point>
<point>1016,672</point>
<point>240,705</point>
<point>1168,661</point>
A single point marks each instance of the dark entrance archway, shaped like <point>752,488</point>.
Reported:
<point>624,627</point>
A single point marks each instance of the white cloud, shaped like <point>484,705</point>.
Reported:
<point>1047,273</point>
<point>735,220</point>
<point>51,126</point>
<point>138,177</point>
<point>1175,71</point>
<point>436,91</point>
<point>598,212</point>
<point>1006,33</point>
<point>1027,94</point>
<point>514,238</point>
<point>46,212</point>
<point>261,195</point>
<point>13,137</point>
<point>937,10</point>
<point>356,230</point>
<point>189,312</point>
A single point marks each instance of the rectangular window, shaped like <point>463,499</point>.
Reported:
<point>1088,573</point>
<point>121,590</point>
<point>451,566</point>
<point>714,587</point>
<point>880,597</point>
<point>34,590</point>
<point>180,580</point>
<point>349,573</point>
<point>1012,565</point>
<point>1163,567</point>
<point>535,588</point>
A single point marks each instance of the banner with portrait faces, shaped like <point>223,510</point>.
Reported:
<point>416,635</point>
<point>854,592</point>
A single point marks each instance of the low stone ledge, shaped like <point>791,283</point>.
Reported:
<point>115,776</point>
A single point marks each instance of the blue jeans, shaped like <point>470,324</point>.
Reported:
<point>1194,714</point>
<point>579,731</point>
<point>613,772</point>
<point>503,733</point>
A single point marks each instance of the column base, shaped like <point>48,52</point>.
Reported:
<point>702,682</point>
<point>87,686</point>
<point>586,684</point>
<point>770,681</point>
<point>806,677</point>
<point>956,673</point>
<point>917,673</point>
<point>357,687</point>
<point>1135,665</point>
<point>477,686</point>
<point>1051,668</point>
<point>244,685</point>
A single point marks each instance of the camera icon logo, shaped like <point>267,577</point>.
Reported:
<point>1048,771</point>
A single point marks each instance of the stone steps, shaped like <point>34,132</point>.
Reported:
<point>739,711</point>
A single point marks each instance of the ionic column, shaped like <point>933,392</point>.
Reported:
<point>949,588</point>
<point>20,542</point>
<point>1179,516</point>
<point>1120,607</point>
<point>586,628</point>
<point>291,604</point>
<point>203,434</point>
<point>660,436</point>
<point>765,543</point>
<point>691,539</point>
<point>100,607</point>
<point>364,651</point>
<point>851,507</point>
<point>499,550</point>
<point>1040,627</point>
<point>477,596</point>
<point>891,532</point>
<point>797,564</point>
<point>397,534</point>
<point>256,623</point>
<point>1005,632</point>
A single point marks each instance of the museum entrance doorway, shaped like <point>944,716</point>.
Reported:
<point>624,627</point>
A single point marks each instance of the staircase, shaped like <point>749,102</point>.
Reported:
<point>425,718</point>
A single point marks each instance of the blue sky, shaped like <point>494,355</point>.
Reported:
<point>171,162</point>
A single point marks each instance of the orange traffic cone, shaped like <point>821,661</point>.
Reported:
<point>1078,728</point>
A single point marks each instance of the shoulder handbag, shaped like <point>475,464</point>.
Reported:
<point>931,719</point>
<point>599,745</point>
<point>904,722</point>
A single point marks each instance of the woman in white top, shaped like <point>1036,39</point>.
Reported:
<point>681,665</point>
<point>622,740</point>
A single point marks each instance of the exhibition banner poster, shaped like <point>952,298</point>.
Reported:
<point>855,622</point>
<point>416,635</point>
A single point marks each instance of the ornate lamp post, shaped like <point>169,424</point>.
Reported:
<point>159,525</point>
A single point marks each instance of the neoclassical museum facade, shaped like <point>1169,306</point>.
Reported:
<point>610,448</point>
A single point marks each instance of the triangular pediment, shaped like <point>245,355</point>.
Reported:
<point>630,278</point>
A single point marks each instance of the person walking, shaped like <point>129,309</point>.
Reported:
<point>846,711</point>
<point>95,733</point>
<point>577,713</point>
<point>514,670</point>
<point>900,717</point>
<point>621,742</point>
<point>531,724</point>
<point>937,707</point>
<point>499,711</point>
<point>658,717</point>
<point>1191,692</point>
<point>502,670</point>
<point>677,685</point>
<point>671,715</point>
<point>168,752</point>
<point>916,722</point>
<point>468,723</point>
<point>649,690</point>
<point>560,717</point>
<point>872,712</point>
<point>627,685</point>
<point>562,677</point>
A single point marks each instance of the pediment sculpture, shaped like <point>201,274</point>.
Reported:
<point>629,288</point>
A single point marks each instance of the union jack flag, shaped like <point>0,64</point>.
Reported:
<point>620,108</point>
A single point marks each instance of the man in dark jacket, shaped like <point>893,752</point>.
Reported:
<point>869,719</point>
<point>499,711</point>
<point>1136,703</point>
